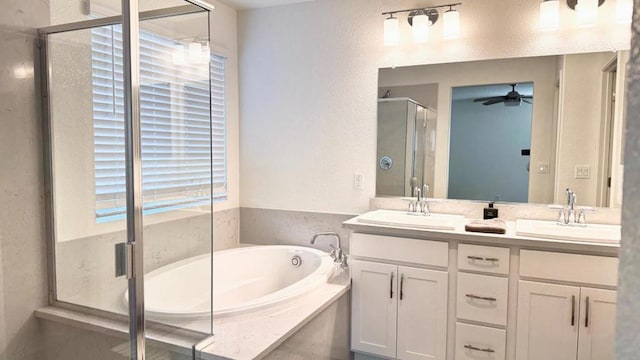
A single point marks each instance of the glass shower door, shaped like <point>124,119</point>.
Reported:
<point>92,132</point>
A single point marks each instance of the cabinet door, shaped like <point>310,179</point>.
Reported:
<point>374,307</point>
<point>596,339</point>
<point>548,317</point>
<point>422,314</point>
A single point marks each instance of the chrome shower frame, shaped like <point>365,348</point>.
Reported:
<point>129,20</point>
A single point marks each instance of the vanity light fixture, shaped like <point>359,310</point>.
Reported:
<point>420,26</point>
<point>624,10</point>
<point>195,52</point>
<point>549,14</point>
<point>451,24</point>
<point>586,11</point>
<point>391,31</point>
<point>421,19</point>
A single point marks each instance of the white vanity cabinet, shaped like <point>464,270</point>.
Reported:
<point>560,321</point>
<point>398,311</point>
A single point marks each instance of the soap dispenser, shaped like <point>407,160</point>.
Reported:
<point>490,212</point>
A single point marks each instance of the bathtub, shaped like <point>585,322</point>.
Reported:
<point>245,279</point>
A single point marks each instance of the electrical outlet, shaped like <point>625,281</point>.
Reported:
<point>358,182</point>
<point>583,172</point>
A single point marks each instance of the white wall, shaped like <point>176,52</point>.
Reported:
<point>309,87</point>
<point>485,161</point>
<point>22,246</point>
<point>580,125</point>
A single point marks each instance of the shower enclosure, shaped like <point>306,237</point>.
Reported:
<point>406,147</point>
<point>131,131</point>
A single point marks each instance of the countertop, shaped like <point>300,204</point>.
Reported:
<point>508,239</point>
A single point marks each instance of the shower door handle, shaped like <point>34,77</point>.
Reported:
<point>124,260</point>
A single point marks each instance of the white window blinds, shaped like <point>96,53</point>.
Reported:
<point>183,126</point>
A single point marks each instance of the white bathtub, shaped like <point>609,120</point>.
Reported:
<point>245,279</point>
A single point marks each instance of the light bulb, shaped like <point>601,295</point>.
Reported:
<point>177,55</point>
<point>549,14</point>
<point>624,11</point>
<point>391,31</point>
<point>205,53</point>
<point>451,24</point>
<point>194,50</point>
<point>420,28</point>
<point>587,12</point>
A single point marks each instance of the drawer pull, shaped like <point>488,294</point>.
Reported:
<point>481,258</point>
<point>586,317</point>
<point>474,348</point>
<point>472,296</point>
<point>573,310</point>
<point>391,287</point>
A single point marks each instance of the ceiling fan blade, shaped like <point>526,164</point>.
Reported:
<point>501,98</point>
<point>494,101</point>
<point>527,101</point>
<point>526,96</point>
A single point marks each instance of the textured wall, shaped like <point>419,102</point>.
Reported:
<point>628,330</point>
<point>280,227</point>
<point>309,84</point>
<point>86,279</point>
<point>21,182</point>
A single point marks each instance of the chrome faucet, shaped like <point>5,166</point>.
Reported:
<point>567,214</point>
<point>571,203</point>
<point>338,256</point>
<point>420,206</point>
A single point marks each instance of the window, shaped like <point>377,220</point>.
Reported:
<point>183,147</point>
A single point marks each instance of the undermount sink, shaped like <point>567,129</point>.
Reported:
<point>402,218</point>
<point>553,230</point>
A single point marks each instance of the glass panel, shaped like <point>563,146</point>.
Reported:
<point>80,96</point>
<point>84,85</point>
<point>177,171</point>
<point>71,11</point>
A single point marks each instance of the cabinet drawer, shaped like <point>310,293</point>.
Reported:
<point>588,269</point>
<point>479,342</point>
<point>424,252</point>
<point>482,298</point>
<point>488,259</point>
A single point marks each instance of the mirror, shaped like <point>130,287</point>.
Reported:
<point>510,130</point>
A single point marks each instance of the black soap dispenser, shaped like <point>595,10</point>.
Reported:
<point>490,212</point>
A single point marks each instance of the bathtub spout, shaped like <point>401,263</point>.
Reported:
<point>336,253</point>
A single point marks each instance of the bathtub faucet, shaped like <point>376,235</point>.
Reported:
<point>336,253</point>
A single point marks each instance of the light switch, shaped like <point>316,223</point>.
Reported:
<point>583,172</point>
<point>358,182</point>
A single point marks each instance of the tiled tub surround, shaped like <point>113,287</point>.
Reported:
<point>248,336</point>
<point>287,227</point>
<point>87,279</point>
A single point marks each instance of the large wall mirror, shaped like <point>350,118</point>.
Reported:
<point>511,130</point>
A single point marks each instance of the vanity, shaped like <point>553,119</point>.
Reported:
<point>423,292</point>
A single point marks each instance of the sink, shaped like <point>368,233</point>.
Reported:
<point>551,230</point>
<point>401,218</point>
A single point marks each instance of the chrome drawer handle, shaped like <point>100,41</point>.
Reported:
<point>471,347</point>
<point>481,258</point>
<point>472,296</point>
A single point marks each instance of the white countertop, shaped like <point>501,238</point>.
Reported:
<point>510,238</point>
